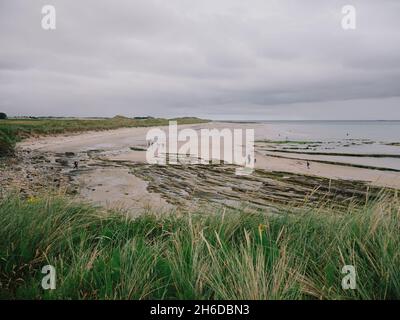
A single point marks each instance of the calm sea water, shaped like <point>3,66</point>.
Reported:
<point>379,131</point>
<point>345,137</point>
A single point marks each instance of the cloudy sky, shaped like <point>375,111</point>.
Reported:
<point>218,59</point>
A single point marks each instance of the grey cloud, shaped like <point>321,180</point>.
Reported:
<point>218,59</point>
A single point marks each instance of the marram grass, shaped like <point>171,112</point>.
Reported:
<point>203,255</point>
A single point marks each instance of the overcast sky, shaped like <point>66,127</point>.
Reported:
<point>218,59</point>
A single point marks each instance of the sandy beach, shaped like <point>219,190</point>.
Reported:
<point>113,171</point>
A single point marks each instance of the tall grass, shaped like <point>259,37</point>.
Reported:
<point>7,141</point>
<point>198,255</point>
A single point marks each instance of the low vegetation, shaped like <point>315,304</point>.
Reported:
<point>13,130</point>
<point>7,141</point>
<point>199,255</point>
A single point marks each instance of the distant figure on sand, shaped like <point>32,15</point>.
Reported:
<point>249,159</point>
<point>76,165</point>
<point>308,165</point>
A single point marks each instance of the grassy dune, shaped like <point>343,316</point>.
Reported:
<point>204,255</point>
<point>13,130</point>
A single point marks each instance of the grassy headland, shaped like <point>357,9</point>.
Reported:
<point>203,255</point>
<point>14,130</point>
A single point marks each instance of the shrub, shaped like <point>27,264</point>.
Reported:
<point>3,116</point>
<point>7,142</point>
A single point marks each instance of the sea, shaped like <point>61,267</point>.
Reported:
<point>373,144</point>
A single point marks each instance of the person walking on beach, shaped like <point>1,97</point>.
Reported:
<point>308,165</point>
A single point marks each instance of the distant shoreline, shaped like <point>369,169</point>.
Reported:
<point>301,121</point>
<point>210,120</point>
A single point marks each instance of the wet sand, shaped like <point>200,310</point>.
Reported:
<point>373,177</point>
<point>116,188</point>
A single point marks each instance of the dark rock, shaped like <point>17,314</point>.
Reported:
<point>63,162</point>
